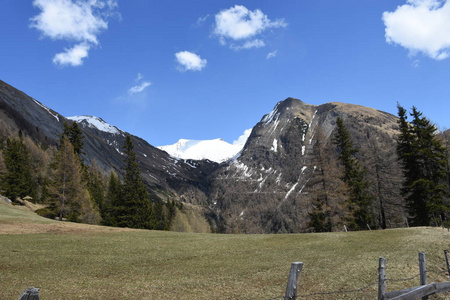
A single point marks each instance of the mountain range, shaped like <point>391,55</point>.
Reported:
<point>267,181</point>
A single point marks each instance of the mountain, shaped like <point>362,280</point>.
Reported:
<point>97,123</point>
<point>166,177</point>
<point>216,150</point>
<point>288,159</point>
<point>271,182</point>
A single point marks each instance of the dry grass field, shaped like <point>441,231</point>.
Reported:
<point>74,261</point>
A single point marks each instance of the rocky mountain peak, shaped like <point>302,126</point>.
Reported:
<point>288,109</point>
<point>95,122</point>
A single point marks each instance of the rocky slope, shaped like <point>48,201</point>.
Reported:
<point>268,188</point>
<point>166,177</point>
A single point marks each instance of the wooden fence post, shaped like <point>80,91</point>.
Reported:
<point>31,293</point>
<point>446,261</point>
<point>423,271</point>
<point>293,281</point>
<point>381,278</point>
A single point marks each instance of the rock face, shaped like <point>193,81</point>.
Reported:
<point>268,188</point>
<point>271,186</point>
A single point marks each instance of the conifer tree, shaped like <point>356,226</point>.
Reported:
<point>113,202</point>
<point>95,186</point>
<point>359,198</point>
<point>2,166</point>
<point>69,195</point>
<point>17,182</point>
<point>136,209</point>
<point>75,136</point>
<point>424,163</point>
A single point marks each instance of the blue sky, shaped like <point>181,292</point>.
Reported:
<point>165,70</point>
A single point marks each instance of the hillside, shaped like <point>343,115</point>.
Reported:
<point>272,185</point>
<point>289,160</point>
<point>166,177</point>
<point>73,261</point>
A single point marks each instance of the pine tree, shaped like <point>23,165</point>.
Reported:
<point>113,202</point>
<point>136,207</point>
<point>95,186</point>
<point>2,166</point>
<point>75,136</point>
<point>359,198</point>
<point>17,182</point>
<point>69,195</point>
<point>424,163</point>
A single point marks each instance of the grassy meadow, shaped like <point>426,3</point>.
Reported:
<point>74,261</point>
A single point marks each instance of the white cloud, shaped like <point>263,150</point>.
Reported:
<point>243,138</point>
<point>139,88</point>
<point>139,77</point>
<point>272,54</point>
<point>189,61</point>
<point>240,24</point>
<point>256,43</point>
<point>202,20</point>
<point>420,26</point>
<point>72,57</point>
<point>79,21</point>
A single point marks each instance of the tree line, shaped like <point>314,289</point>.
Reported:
<point>424,163</point>
<point>70,190</point>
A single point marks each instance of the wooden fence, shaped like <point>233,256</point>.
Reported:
<point>418,292</point>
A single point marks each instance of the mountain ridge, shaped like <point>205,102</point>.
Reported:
<point>270,185</point>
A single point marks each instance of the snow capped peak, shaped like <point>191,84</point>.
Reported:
<point>216,150</point>
<point>271,116</point>
<point>95,122</point>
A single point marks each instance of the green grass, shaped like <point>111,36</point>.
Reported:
<point>167,265</point>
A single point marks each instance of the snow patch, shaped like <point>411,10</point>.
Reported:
<point>270,116</point>
<point>278,179</point>
<point>47,109</point>
<point>246,172</point>
<point>291,190</point>
<point>95,122</point>
<point>275,145</point>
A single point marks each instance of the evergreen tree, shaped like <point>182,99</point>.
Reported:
<point>69,196</point>
<point>96,187</point>
<point>359,198</point>
<point>2,166</point>
<point>424,163</point>
<point>17,182</point>
<point>135,210</point>
<point>75,136</point>
<point>113,202</point>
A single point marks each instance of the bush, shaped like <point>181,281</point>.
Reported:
<point>46,213</point>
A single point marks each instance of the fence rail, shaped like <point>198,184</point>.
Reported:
<point>422,291</point>
<point>418,292</point>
